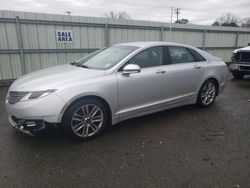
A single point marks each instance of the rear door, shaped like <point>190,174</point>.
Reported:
<point>186,70</point>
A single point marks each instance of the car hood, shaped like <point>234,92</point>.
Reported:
<point>246,49</point>
<point>53,78</point>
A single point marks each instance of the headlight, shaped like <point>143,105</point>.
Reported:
<point>36,94</point>
<point>236,67</point>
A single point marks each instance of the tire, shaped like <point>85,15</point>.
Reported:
<point>85,119</point>
<point>207,93</point>
<point>238,76</point>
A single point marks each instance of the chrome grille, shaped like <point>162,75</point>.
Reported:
<point>15,96</point>
<point>244,67</point>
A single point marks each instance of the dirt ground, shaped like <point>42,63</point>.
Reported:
<point>183,147</point>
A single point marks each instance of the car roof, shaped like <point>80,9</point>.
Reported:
<point>148,44</point>
<point>152,43</point>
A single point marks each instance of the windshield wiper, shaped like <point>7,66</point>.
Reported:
<point>80,65</point>
<point>85,66</point>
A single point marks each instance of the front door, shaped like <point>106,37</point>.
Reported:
<point>142,91</point>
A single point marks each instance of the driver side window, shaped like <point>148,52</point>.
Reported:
<point>150,57</point>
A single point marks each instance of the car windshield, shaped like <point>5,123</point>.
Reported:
<point>106,58</point>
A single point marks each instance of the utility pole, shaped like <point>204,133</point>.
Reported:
<point>171,20</point>
<point>177,11</point>
<point>172,9</point>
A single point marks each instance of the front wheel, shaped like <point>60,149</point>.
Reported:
<point>207,93</point>
<point>85,119</point>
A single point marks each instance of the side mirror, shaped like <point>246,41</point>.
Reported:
<point>130,69</point>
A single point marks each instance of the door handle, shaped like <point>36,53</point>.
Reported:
<point>197,67</point>
<point>160,71</point>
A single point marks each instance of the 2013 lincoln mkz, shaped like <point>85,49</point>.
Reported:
<point>113,84</point>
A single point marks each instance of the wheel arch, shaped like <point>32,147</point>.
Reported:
<point>216,82</point>
<point>75,100</point>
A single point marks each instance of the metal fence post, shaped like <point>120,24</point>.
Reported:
<point>20,46</point>
<point>162,30</point>
<point>204,40</point>
<point>236,39</point>
<point>107,42</point>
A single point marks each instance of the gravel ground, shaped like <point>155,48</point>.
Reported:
<point>182,147</point>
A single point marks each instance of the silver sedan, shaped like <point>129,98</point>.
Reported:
<point>113,84</point>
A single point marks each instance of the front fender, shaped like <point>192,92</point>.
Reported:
<point>105,88</point>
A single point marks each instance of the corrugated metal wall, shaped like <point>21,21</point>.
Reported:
<point>28,40</point>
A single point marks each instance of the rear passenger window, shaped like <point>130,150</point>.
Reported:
<point>180,55</point>
<point>196,55</point>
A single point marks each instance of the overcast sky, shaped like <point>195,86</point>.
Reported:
<point>202,12</point>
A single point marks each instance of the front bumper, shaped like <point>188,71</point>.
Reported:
<point>47,109</point>
<point>239,68</point>
<point>29,127</point>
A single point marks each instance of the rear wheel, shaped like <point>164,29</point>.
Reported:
<point>207,93</point>
<point>238,76</point>
<point>85,119</point>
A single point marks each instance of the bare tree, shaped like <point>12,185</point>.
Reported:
<point>246,22</point>
<point>216,23</point>
<point>182,21</point>
<point>118,15</point>
<point>229,19</point>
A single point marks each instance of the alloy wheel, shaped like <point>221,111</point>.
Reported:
<point>87,120</point>
<point>208,93</point>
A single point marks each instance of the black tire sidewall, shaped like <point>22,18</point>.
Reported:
<point>66,120</point>
<point>199,101</point>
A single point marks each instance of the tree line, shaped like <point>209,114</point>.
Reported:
<point>232,20</point>
<point>227,19</point>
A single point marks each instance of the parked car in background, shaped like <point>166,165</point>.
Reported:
<point>113,84</point>
<point>240,65</point>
